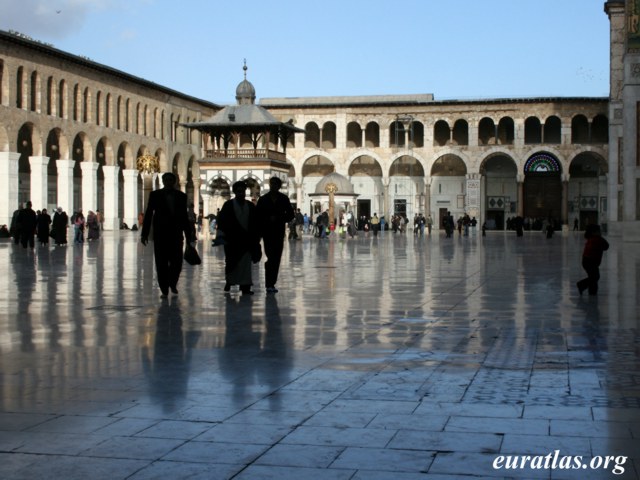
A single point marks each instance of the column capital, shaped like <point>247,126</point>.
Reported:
<point>38,160</point>
<point>89,166</point>
<point>130,173</point>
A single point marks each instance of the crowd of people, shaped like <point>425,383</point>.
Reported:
<point>241,224</point>
<point>28,225</point>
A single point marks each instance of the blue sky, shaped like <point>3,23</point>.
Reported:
<point>454,49</point>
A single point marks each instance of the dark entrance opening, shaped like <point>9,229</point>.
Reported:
<point>495,220</point>
<point>442,212</point>
<point>543,196</point>
<point>364,208</point>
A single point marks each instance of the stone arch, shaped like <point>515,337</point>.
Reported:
<point>365,165</point>
<point>542,189</point>
<point>82,151</point>
<point>125,156</point>
<point>500,173</point>
<point>587,185</point>
<point>317,165</point>
<point>448,187</point>
<point>255,185</point>
<point>57,148</point>
<point>449,165</point>
<point>106,155</point>
<point>178,168</point>
<point>163,162</point>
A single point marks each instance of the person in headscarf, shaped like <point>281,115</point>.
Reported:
<point>42,227</point>
<point>59,226</point>
<point>237,220</point>
<point>93,226</point>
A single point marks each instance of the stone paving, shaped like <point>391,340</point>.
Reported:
<point>393,357</point>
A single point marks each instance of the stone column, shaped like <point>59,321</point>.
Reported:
<point>386,181</point>
<point>90,187</point>
<point>65,184</point>
<point>299,193</point>
<point>130,196</point>
<point>427,197</point>
<point>39,182</point>
<point>111,220</point>
<point>483,201</point>
<point>8,186</point>
<point>196,196</point>
<point>206,199</point>
<point>565,202</point>
<point>520,180</point>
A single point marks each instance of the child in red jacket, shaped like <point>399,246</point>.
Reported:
<point>591,258</point>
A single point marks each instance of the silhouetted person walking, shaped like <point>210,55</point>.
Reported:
<point>237,220</point>
<point>274,212</point>
<point>591,259</point>
<point>167,213</point>
<point>27,221</point>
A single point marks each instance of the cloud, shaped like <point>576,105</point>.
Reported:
<point>49,19</point>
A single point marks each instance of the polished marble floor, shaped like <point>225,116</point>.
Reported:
<point>393,357</point>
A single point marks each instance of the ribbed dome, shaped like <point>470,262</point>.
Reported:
<point>342,183</point>
<point>245,93</point>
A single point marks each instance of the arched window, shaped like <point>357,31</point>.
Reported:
<point>86,106</point>
<point>62,100</point>
<point>354,135</point>
<point>77,103</point>
<point>372,135</point>
<point>35,92</point>
<point>19,88</point>
<point>396,134</point>
<point>553,130</point>
<point>532,131</point>
<point>51,102</point>
<point>312,135</point>
<point>441,133</point>
<point>99,108</point>
<point>487,132</point>
<point>416,134</point>
<point>107,111</point>
<point>329,135</point>
<point>506,131</point>
<point>579,129</point>
<point>461,132</point>
<point>600,129</point>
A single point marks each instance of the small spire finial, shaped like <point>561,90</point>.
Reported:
<point>245,68</point>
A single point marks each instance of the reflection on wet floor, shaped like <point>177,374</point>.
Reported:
<point>380,358</point>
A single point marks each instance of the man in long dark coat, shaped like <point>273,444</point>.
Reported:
<point>27,223</point>
<point>167,212</point>
<point>274,212</point>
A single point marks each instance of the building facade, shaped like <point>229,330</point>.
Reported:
<point>71,131</point>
